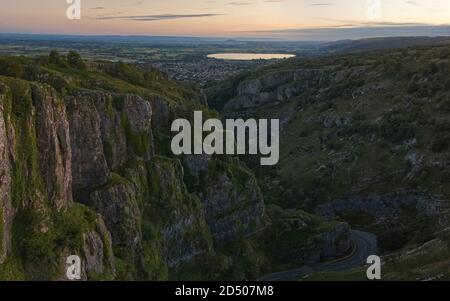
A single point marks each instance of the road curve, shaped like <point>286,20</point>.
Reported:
<point>365,245</point>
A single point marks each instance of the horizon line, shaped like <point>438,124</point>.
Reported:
<point>221,38</point>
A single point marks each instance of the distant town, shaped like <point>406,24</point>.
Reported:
<point>205,70</point>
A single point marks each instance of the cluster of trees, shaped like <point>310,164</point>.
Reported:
<point>135,75</point>
<point>14,67</point>
<point>72,59</point>
<point>11,68</point>
<point>20,67</point>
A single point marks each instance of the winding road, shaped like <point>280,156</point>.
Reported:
<point>365,245</point>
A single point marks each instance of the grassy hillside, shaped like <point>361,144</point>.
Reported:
<point>357,128</point>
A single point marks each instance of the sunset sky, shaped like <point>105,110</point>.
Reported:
<point>284,19</point>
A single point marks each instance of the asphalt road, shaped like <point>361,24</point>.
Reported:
<point>365,245</point>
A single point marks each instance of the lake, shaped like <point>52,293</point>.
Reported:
<point>249,56</point>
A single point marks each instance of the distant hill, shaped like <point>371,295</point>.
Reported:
<point>382,43</point>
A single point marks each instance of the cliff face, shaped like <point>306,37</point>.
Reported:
<point>39,223</point>
<point>272,88</point>
<point>5,188</point>
<point>87,172</point>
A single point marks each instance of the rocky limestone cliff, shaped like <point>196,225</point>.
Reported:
<point>5,186</point>
<point>38,216</point>
<point>232,210</point>
<point>296,238</point>
<point>273,88</point>
<point>53,144</point>
<point>82,173</point>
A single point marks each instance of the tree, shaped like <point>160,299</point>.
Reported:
<point>54,58</point>
<point>74,60</point>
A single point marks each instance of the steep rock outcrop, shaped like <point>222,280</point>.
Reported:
<point>335,242</point>
<point>119,207</point>
<point>36,190</point>
<point>273,87</point>
<point>113,138</point>
<point>132,202</point>
<point>55,152</point>
<point>119,131</point>
<point>233,204</point>
<point>296,238</point>
<point>232,200</point>
<point>137,121</point>
<point>180,216</point>
<point>5,185</point>
<point>161,114</point>
<point>90,169</point>
<point>98,255</point>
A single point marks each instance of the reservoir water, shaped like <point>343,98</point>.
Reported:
<point>249,56</point>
